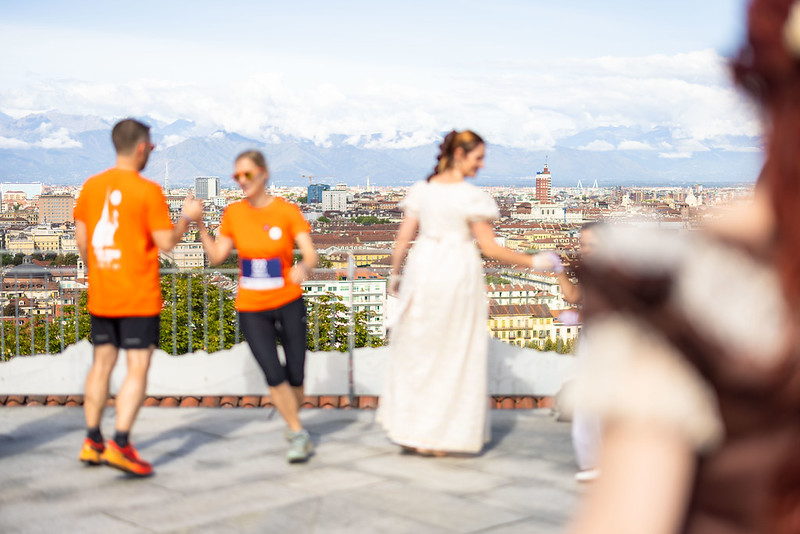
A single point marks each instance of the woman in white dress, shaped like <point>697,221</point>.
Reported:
<point>435,399</point>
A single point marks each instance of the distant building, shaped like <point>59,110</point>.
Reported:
<point>45,239</point>
<point>12,199</point>
<point>315,193</point>
<point>55,209</point>
<point>175,202</point>
<point>206,187</point>
<point>543,192</point>
<point>368,292</point>
<point>335,200</point>
<point>186,256</point>
<point>520,324</point>
<point>30,189</point>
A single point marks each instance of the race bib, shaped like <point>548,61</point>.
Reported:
<point>260,273</point>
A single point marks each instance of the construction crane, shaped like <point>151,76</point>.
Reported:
<point>310,176</point>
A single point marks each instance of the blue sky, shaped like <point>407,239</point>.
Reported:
<point>394,73</point>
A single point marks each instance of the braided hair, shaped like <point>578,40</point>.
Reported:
<point>466,140</point>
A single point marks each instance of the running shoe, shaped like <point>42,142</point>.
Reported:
<point>300,447</point>
<point>126,459</point>
<point>91,452</point>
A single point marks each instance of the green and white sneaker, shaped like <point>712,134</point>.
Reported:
<point>300,447</point>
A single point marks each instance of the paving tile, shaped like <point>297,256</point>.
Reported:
<point>65,524</point>
<point>430,473</point>
<point>336,452</point>
<point>328,515</point>
<point>543,501</point>
<point>97,495</point>
<point>438,509</point>
<point>325,480</point>
<point>212,505</point>
<point>526,526</point>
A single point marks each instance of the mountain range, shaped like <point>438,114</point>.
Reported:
<point>56,148</point>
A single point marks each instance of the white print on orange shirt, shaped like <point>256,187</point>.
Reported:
<point>103,234</point>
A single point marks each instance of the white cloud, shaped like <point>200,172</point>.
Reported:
<point>675,155</point>
<point>598,146</point>
<point>59,139</point>
<point>634,145</point>
<point>172,140</point>
<point>10,142</point>
<point>515,104</point>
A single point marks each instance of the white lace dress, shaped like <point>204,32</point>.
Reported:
<point>435,395</point>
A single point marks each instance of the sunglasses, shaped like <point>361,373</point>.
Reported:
<point>247,175</point>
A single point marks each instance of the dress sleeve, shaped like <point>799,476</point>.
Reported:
<point>482,207</point>
<point>628,372</point>
<point>412,202</point>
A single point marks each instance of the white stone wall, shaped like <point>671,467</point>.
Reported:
<point>512,371</point>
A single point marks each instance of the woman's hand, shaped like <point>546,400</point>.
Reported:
<point>547,261</point>
<point>394,285</point>
<point>299,272</point>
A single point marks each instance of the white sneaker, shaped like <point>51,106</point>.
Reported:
<point>300,447</point>
<point>587,475</point>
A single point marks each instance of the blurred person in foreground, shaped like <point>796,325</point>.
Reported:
<point>264,229</point>
<point>695,341</point>
<point>121,222</point>
<point>586,429</point>
<point>435,399</point>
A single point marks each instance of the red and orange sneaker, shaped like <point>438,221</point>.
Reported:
<point>91,452</point>
<point>126,459</point>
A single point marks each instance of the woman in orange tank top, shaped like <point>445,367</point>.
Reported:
<point>265,229</point>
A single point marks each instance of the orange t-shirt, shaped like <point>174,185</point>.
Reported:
<point>265,240</point>
<point>121,209</point>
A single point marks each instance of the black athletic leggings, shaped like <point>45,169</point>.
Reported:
<point>263,329</point>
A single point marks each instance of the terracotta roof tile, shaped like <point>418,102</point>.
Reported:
<point>209,402</point>
<point>229,402</point>
<point>366,402</point>
<point>250,401</point>
<point>74,400</point>
<point>54,400</point>
<point>170,402</point>
<point>189,402</point>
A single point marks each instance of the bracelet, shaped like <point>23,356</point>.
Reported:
<point>188,219</point>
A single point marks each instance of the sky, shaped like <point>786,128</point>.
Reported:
<point>390,74</point>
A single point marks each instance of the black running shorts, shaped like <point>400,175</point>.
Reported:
<point>263,329</point>
<point>126,332</point>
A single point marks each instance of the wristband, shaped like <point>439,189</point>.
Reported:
<point>188,219</point>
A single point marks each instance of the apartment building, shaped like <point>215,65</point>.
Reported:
<point>521,324</point>
<point>55,209</point>
<point>368,293</point>
<point>186,256</point>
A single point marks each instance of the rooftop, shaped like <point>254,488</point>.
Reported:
<point>223,470</point>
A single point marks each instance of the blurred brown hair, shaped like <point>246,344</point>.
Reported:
<point>769,71</point>
<point>466,139</point>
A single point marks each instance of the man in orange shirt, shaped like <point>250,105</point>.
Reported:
<point>121,221</point>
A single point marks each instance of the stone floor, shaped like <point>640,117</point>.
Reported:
<point>223,470</point>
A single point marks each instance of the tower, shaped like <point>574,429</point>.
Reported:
<point>543,186</point>
<point>166,178</point>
